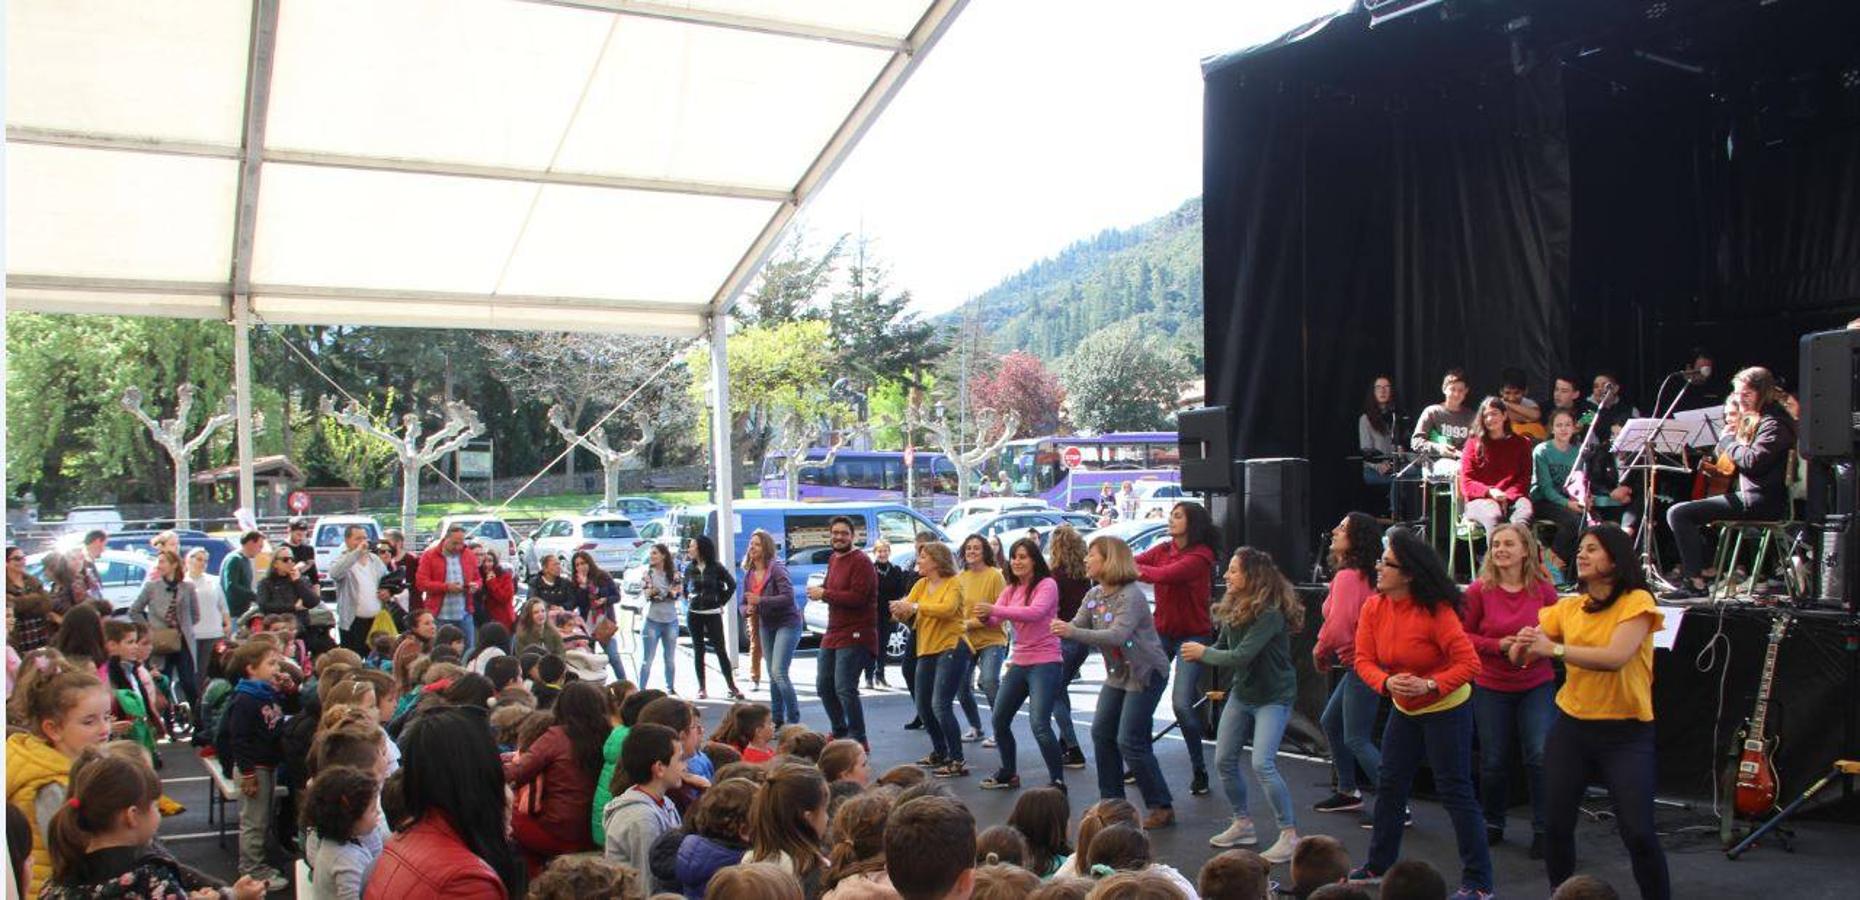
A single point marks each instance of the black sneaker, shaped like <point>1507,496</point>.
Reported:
<point>1494,836</point>
<point>1075,758</point>
<point>1001,782</point>
<point>914,725</point>
<point>1369,820</point>
<point>1199,784</point>
<point>1130,778</point>
<point>1339,802</point>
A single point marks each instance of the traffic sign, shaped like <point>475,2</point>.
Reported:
<point>1072,457</point>
<point>299,502</point>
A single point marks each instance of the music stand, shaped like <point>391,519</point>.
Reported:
<point>1646,438</point>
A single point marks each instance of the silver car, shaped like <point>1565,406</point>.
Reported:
<point>611,540</point>
<point>121,572</point>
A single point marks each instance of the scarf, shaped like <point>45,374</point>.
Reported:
<point>265,691</point>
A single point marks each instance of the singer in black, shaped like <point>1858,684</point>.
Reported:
<point>1765,434</point>
<point>1376,431</point>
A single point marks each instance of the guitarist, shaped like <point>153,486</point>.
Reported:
<point>1762,438</point>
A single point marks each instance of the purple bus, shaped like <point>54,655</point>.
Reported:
<point>1038,467</point>
<point>870,475</point>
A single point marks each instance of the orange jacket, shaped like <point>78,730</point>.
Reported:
<point>1400,636</point>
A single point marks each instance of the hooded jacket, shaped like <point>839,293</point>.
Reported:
<point>32,765</point>
<point>568,789</point>
<point>634,821</point>
<point>700,857</point>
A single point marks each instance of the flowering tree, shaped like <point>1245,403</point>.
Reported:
<point>1020,382</point>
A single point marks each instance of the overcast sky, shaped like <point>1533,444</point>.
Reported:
<point>1035,123</point>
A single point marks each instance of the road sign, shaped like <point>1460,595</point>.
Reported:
<point>1072,457</point>
<point>299,502</point>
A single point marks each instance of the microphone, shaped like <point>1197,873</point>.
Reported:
<point>1693,375</point>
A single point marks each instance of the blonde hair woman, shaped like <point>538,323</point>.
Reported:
<point>768,595</point>
<point>1513,706</point>
<point>1065,555</point>
<point>1115,618</point>
<point>935,608</point>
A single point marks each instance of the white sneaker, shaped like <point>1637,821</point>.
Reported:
<point>1238,834</point>
<point>1281,849</point>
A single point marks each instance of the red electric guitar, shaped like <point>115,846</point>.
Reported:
<point>1756,772</point>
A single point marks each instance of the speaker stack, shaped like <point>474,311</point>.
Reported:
<point>1829,436</point>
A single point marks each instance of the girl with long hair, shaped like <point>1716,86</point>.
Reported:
<point>1495,470</point>
<point>858,835</point>
<point>788,825</point>
<point>769,596</point>
<point>1043,815</point>
<point>1551,463</point>
<point>491,642</point>
<point>660,630</point>
<point>981,582</point>
<point>1258,615</point>
<point>497,595</point>
<point>708,588</point>
<point>936,610</point>
<point>1065,557</point>
<point>1030,602</point>
<point>1096,818</point>
<point>1604,719</point>
<point>452,790</point>
<point>555,777</point>
<point>1512,705</point>
<point>1765,434</point>
<point>1182,571</point>
<point>1349,717</point>
<point>599,597</point>
<point>1410,645</point>
<point>718,835</point>
<point>1115,618</point>
<point>64,708</point>
<point>80,638</point>
<point>533,628</point>
<point>1377,436</point>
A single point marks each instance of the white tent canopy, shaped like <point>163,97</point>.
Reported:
<point>525,164</point>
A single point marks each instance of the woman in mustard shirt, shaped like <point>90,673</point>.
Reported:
<point>982,582</point>
<point>936,610</point>
<point>1604,721</point>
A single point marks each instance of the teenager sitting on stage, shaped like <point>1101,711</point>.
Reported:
<point>1527,418</point>
<point>1566,395</point>
<point>1375,436</point>
<point>1761,454</point>
<point>1617,410</point>
<point>1495,470</point>
<point>1551,463</point>
<point>1444,427</point>
<point>1616,497</point>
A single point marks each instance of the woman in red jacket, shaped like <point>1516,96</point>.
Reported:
<point>554,779</point>
<point>1182,569</point>
<point>1410,646</point>
<point>497,598</point>
<point>1495,470</point>
<point>455,848</point>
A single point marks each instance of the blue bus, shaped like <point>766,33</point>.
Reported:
<point>866,475</point>
<point>1038,467</point>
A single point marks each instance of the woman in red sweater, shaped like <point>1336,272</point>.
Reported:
<point>1349,717</point>
<point>1182,570</point>
<point>555,778</point>
<point>1512,705</point>
<point>1410,646</point>
<point>1495,470</point>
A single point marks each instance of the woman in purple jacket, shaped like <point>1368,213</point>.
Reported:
<point>769,594</point>
<point>1035,670</point>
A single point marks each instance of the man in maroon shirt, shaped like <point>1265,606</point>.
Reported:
<point>851,592</point>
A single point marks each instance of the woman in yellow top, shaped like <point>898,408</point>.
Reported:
<point>1604,724</point>
<point>982,582</point>
<point>936,611</point>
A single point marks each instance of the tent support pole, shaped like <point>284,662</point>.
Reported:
<point>722,480</point>
<point>242,393</point>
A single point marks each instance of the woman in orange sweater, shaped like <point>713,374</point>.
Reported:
<point>1410,646</point>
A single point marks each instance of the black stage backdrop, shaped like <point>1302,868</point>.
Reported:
<point>1562,186</point>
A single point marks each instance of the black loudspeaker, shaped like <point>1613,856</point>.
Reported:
<point>1206,460</point>
<point>1277,512</point>
<point>1827,395</point>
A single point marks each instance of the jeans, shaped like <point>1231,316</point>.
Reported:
<point>466,625</point>
<point>951,681</point>
<point>1445,739</point>
<point>1687,518</point>
<point>988,662</point>
<point>1505,719</point>
<point>966,696</point>
<point>1120,736</point>
<point>925,699</point>
<point>1072,655</point>
<point>180,670</point>
<point>1349,722</point>
<point>1187,694</point>
<point>1265,727</point>
<point>1040,683</point>
<point>652,636</point>
<point>1619,753</point>
<point>778,645</point>
<point>255,826</point>
<point>837,683</point>
<point>709,627</point>
<point>612,649</point>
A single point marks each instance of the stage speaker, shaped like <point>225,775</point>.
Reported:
<point>1207,465</point>
<point>1827,394</point>
<point>1277,512</point>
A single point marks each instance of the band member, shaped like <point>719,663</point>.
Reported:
<point>1765,433</point>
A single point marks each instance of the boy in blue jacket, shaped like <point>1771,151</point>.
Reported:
<point>254,726</point>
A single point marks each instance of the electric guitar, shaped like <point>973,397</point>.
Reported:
<point>1756,772</point>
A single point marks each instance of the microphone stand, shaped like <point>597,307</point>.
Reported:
<point>1648,561</point>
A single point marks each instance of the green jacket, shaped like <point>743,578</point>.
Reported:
<point>604,789</point>
<point>1260,655</point>
<point>236,584</point>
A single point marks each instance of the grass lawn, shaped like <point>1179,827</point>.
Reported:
<point>528,507</point>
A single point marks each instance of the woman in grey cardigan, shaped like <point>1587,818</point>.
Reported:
<point>1115,618</point>
<point>168,599</point>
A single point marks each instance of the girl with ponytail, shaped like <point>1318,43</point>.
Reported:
<point>858,836</point>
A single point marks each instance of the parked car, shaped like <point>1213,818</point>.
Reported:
<point>122,573</point>
<point>326,536</point>
<point>1141,535</point>
<point>639,509</point>
<point>990,504</point>
<point>1007,525</point>
<point>84,518</point>
<point>610,539</point>
<point>218,548</point>
<point>1156,498</point>
<point>893,642</point>
<point>485,529</point>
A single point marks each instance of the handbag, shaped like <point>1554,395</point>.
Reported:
<point>604,630</point>
<point>165,638</point>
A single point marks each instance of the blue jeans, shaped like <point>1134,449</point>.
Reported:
<point>1187,693</point>
<point>612,649</point>
<point>1040,683</point>
<point>925,699</point>
<point>951,681</point>
<point>988,662</point>
<point>1445,740</point>
<point>1349,721</point>
<point>778,652</point>
<point>838,686</point>
<point>1073,655</point>
<point>966,697</point>
<point>1506,718</point>
<point>652,635</point>
<point>1120,736</point>
<point>1265,727</point>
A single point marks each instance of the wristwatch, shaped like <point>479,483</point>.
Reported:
<point>1556,650</point>
<point>1433,686</point>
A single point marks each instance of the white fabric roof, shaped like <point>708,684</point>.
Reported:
<point>546,164</point>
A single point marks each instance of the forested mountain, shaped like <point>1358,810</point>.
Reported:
<point>1149,274</point>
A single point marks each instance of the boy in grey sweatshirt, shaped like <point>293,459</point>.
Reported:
<point>654,762</point>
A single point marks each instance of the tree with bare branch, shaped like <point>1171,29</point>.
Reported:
<point>799,433</point>
<point>171,434</point>
<point>595,441</point>
<point>967,448</point>
<point>462,424</point>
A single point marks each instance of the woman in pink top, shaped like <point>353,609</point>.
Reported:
<point>1349,718</point>
<point>1511,704</point>
<point>1034,670</point>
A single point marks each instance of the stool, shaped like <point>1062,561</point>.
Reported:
<point>1731,537</point>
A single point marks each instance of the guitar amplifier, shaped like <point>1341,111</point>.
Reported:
<point>1835,573</point>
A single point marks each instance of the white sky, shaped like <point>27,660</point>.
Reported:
<point>1035,123</point>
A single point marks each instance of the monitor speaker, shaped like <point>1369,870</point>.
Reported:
<point>1277,512</point>
<point>1207,465</point>
<point>1827,395</point>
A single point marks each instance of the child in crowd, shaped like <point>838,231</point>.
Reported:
<point>65,709</point>
<point>719,836</point>
<point>750,728</point>
<point>1585,887</point>
<point>341,809</point>
<point>686,721</point>
<point>1000,844</point>
<point>845,760</point>
<point>1042,816</point>
<point>922,837</point>
<point>756,881</point>
<point>624,702</point>
<point>1235,875</point>
<point>1318,860</point>
<point>580,877</point>
<point>654,763</point>
<point>1125,848</point>
<point>1097,817</point>
<point>101,839</point>
<point>551,673</point>
<point>1413,879</point>
<point>857,859</point>
<point>449,637</point>
<point>788,824</point>
<point>215,697</point>
<point>295,651</point>
<point>803,745</point>
<point>905,776</point>
<point>380,652</point>
<point>137,701</point>
<point>1001,881</point>
<point>254,729</point>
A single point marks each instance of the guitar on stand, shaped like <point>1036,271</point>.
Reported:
<point>1755,793</point>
